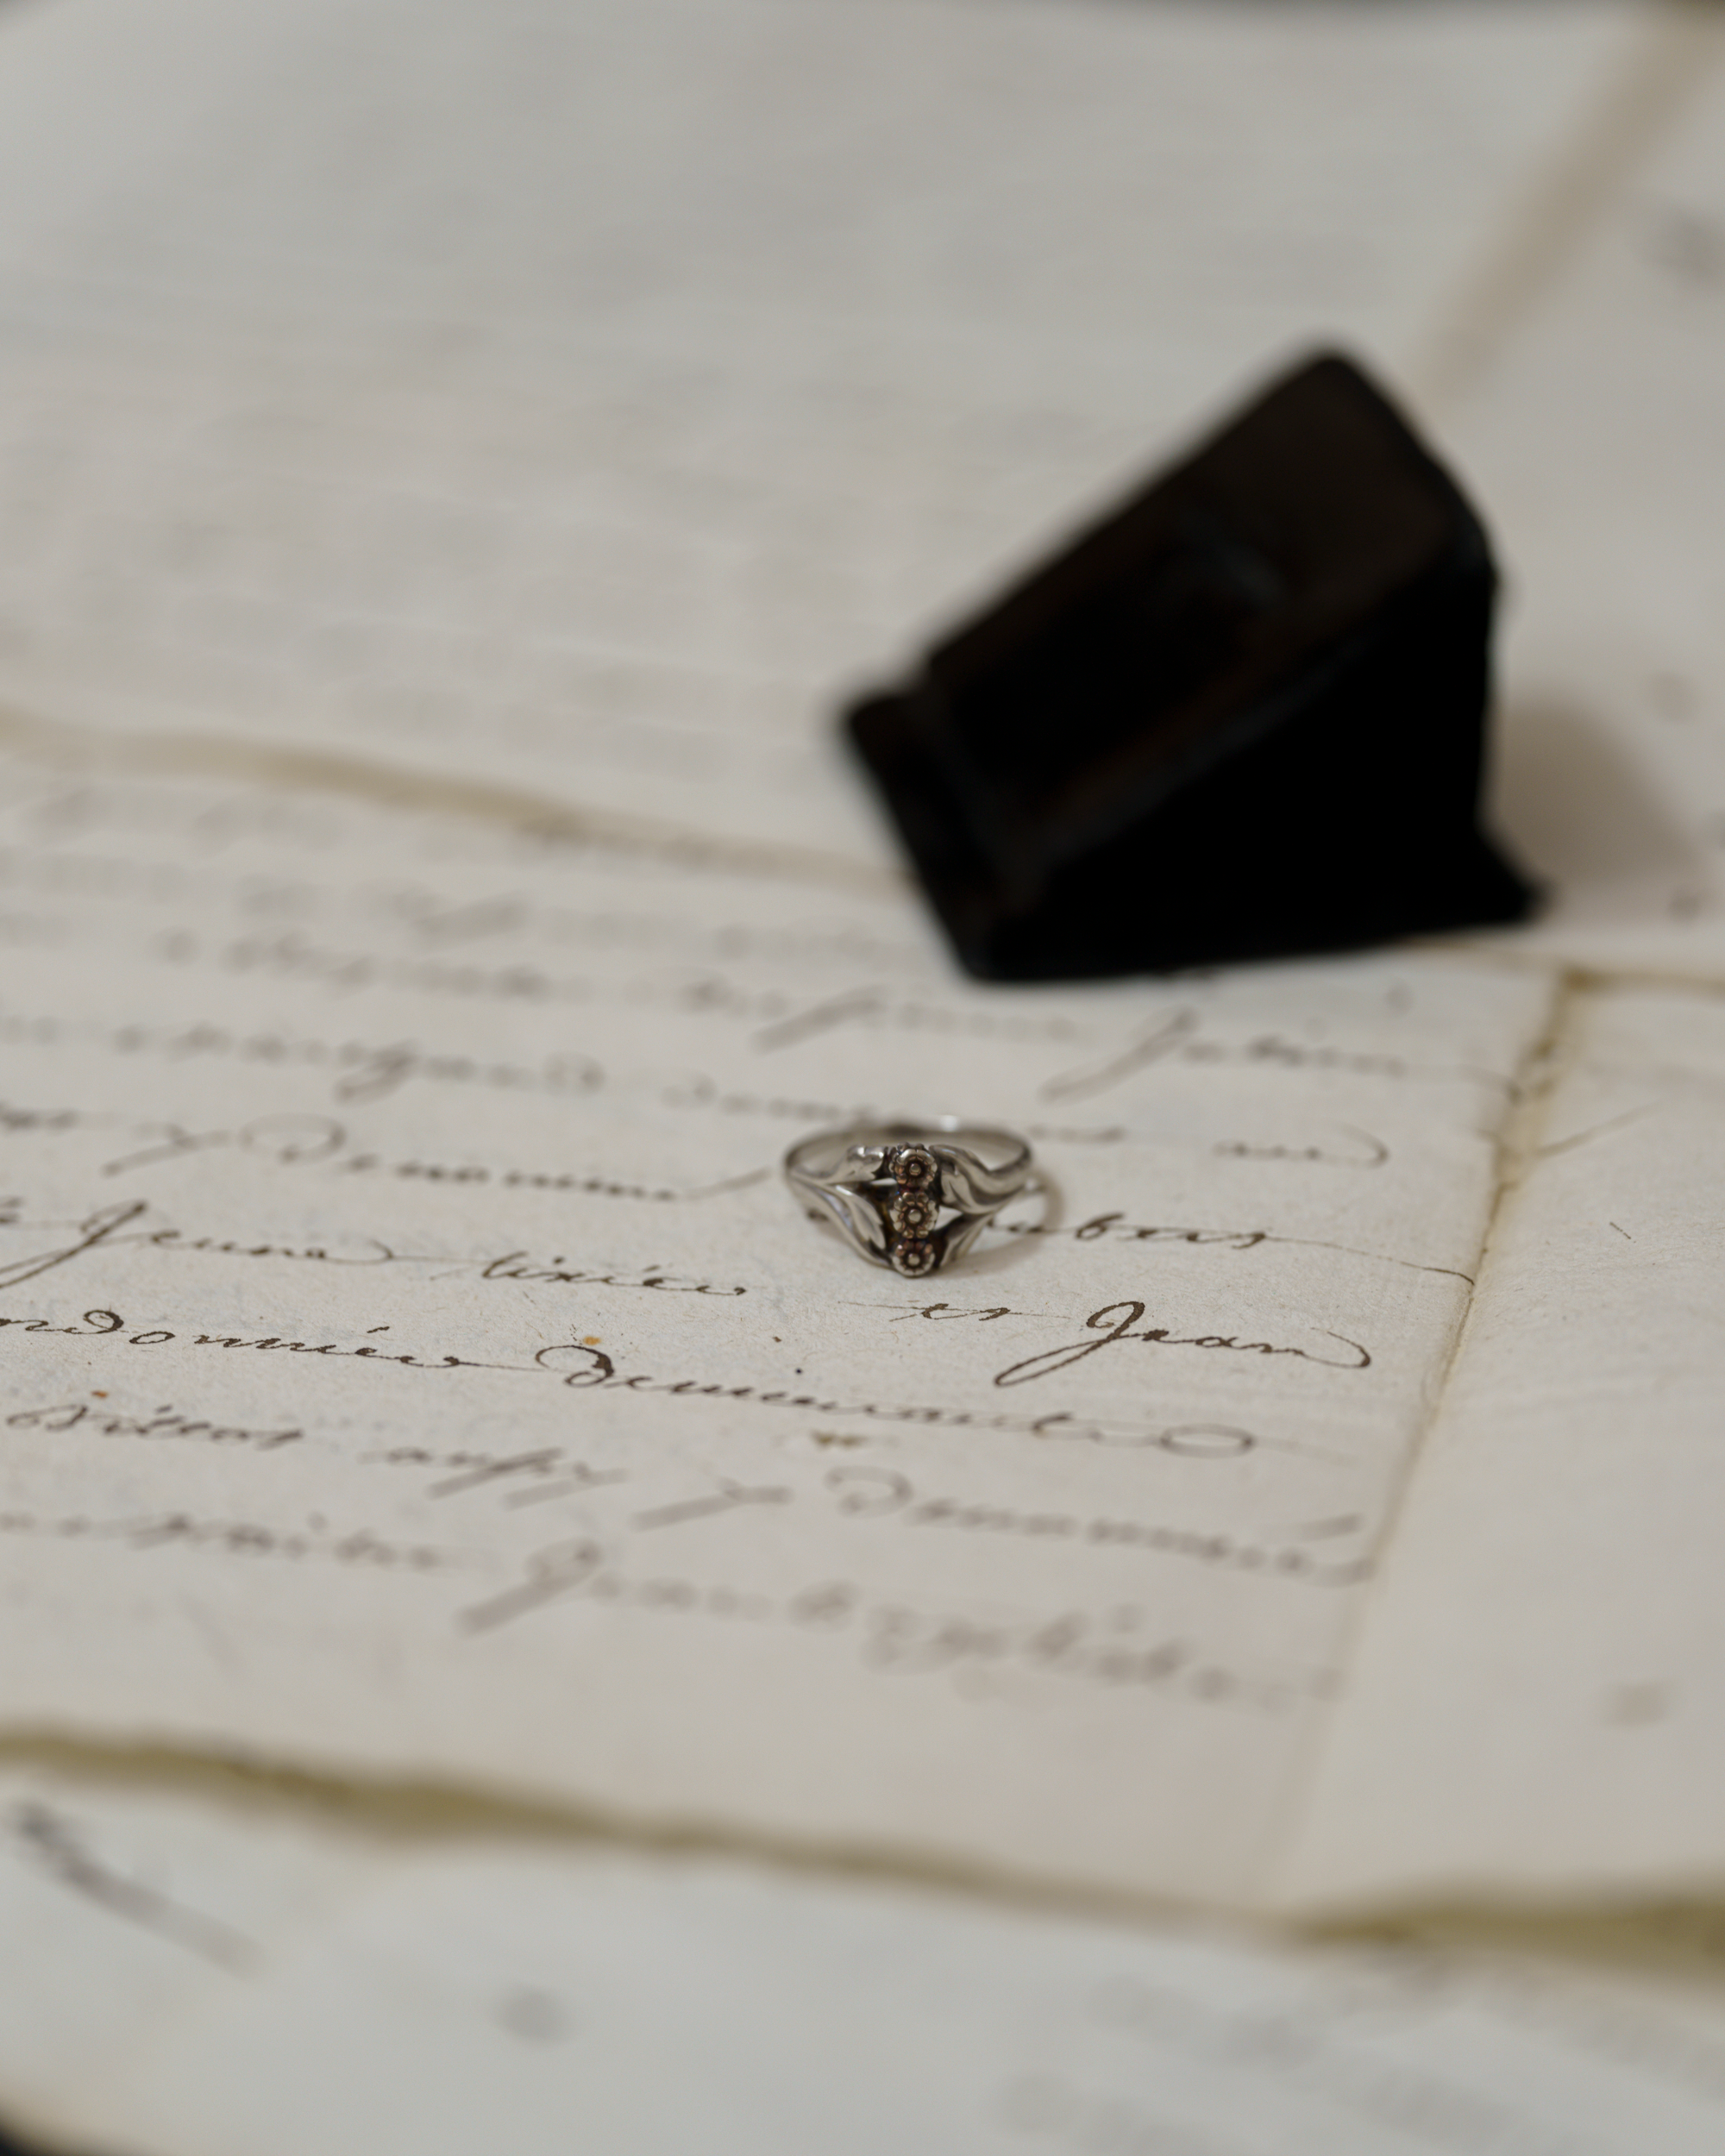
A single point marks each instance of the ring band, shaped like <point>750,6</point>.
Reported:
<point>887,1186</point>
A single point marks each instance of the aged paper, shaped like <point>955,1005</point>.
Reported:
<point>582,400</point>
<point>412,1363</point>
<point>261,1975</point>
<point>1536,1709</point>
<point>1595,443</point>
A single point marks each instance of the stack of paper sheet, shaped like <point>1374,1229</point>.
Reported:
<point>510,1638</point>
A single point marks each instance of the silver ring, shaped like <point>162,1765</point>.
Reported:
<point>913,1196</point>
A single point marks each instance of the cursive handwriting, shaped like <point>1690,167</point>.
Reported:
<point>1155,1040</point>
<point>1114,1227</point>
<point>235,1538</point>
<point>1372,1153</point>
<point>1117,1333</point>
<point>374,1253</point>
<point>90,1233</point>
<point>478,1471</point>
<point>727,1496</point>
<point>587,1369</point>
<point>289,1140</point>
<point>896,1638</point>
<point>302,1141</point>
<point>875,1008</point>
<point>881,1493</point>
<point>109,1325</point>
<point>13,1118</point>
<point>163,1422</point>
<point>581,1366</point>
<point>112,1226</point>
<point>516,1265</point>
<point>1178,1038</point>
<point>358,1070</point>
<point>700,1092</point>
<point>943,1313</point>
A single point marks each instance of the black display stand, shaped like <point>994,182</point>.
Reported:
<point>1241,718</point>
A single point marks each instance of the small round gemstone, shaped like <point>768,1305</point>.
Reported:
<point>913,1168</point>
<point>914,1212</point>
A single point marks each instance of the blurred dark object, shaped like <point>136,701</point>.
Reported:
<point>1241,718</point>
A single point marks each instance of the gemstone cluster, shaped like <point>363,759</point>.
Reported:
<point>916,1242</point>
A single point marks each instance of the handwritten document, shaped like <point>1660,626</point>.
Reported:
<point>413,1362</point>
<point>1555,1593</point>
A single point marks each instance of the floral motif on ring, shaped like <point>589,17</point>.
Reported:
<point>914,1168</point>
<point>913,1212</point>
